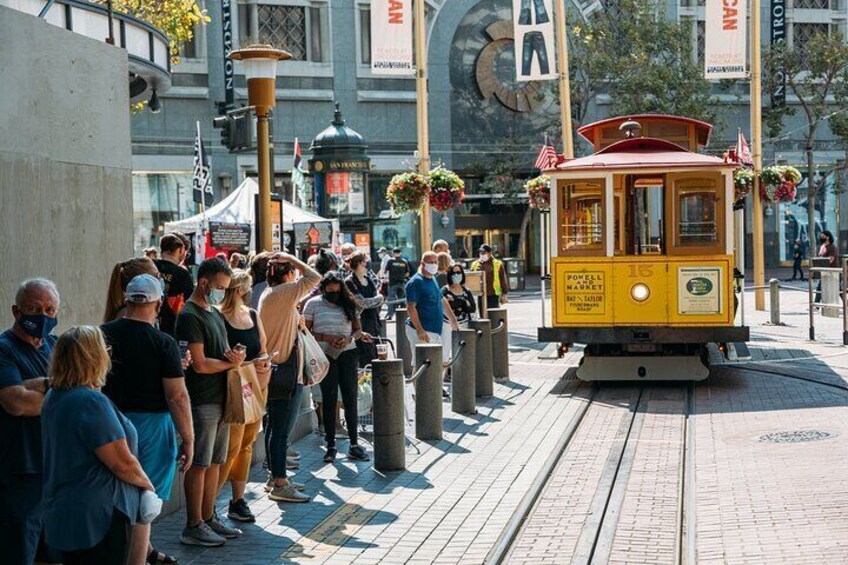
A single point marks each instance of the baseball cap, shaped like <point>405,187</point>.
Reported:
<point>143,289</point>
<point>382,250</point>
<point>396,250</point>
<point>485,248</point>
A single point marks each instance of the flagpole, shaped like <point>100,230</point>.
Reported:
<point>757,154</point>
<point>203,188</point>
<point>564,80</point>
<point>423,133</point>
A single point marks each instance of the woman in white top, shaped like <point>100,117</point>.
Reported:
<point>333,320</point>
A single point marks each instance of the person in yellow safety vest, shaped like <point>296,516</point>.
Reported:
<point>497,285</point>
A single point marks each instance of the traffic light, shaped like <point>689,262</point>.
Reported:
<point>236,129</point>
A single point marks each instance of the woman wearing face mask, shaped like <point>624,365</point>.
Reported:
<point>243,328</point>
<point>368,301</point>
<point>332,319</point>
<point>459,298</point>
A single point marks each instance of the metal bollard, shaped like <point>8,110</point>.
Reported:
<point>774,301</point>
<point>404,351</point>
<point>428,391</point>
<point>463,371</point>
<point>485,385</point>
<point>500,344</point>
<point>387,383</point>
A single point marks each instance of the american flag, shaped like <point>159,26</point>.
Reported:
<point>202,175</point>
<point>547,158</point>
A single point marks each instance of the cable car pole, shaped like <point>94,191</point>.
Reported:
<point>757,154</point>
<point>420,21</point>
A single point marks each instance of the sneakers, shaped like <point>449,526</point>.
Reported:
<point>293,454</point>
<point>269,485</point>
<point>356,452</point>
<point>341,432</point>
<point>287,493</point>
<point>202,535</point>
<point>222,529</point>
<point>240,511</point>
<point>330,456</point>
<point>292,463</point>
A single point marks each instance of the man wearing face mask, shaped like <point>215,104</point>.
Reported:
<point>25,351</point>
<point>178,283</point>
<point>497,285</point>
<point>426,305</point>
<point>202,326</point>
<point>146,383</point>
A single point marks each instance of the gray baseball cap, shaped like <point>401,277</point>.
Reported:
<point>143,289</point>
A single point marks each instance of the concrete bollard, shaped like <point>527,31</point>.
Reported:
<point>485,385</point>
<point>404,351</point>
<point>774,301</point>
<point>387,383</point>
<point>463,372</point>
<point>500,344</point>
<point>428,392</point>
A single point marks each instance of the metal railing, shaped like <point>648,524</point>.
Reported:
<point>813,296</point>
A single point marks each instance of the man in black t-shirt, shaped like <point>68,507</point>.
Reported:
<point>398,271</point>
<point>202,326</point>
<point>146,383</point>
<point>178,283</point>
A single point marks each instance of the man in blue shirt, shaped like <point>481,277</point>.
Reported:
<point>25,351</point>
<point>426,306</point>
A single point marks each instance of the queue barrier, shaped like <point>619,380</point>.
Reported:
<point>831,284</point>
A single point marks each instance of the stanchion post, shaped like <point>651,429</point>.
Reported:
<point>428,392</point>
<point>774,301</point>
<point>387,383</point>
<point>404,351</point>
<point>500,344</point>
<point>485,385</point>
<point>463,372</point>
<point>810,305</point>
<point>845,301</point>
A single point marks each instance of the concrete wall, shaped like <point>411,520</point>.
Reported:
<point>65,163</point>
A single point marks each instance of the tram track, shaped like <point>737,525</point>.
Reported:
<point>596,499</point>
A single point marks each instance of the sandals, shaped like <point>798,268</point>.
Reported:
<point>155,556</point>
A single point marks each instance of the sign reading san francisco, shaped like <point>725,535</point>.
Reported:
<point>584,293</point>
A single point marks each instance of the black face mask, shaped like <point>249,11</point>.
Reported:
<point>333,297</point>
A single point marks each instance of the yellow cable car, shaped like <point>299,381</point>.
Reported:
<point>643,252</point>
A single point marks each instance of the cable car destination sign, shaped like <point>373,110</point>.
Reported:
<point>584,293</point>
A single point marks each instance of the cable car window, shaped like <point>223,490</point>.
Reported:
<point>646,205</point>
<point>698,212</point>
<point>581,218</point>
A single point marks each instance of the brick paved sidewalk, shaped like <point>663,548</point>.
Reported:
<point>449,506</point>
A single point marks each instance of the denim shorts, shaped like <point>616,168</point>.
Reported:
<point>211,435</point>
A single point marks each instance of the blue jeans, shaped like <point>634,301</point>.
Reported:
<point>282,415</point>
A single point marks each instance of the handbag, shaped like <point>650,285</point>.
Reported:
<point>315,363</point>
<point>243,405</point>
<point>284,379</point>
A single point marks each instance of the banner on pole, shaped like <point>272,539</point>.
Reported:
<point>778,38</point>
<point>202,174</point>
<point>391,37</point>
<point>535,52</point>
<point>725,39</point>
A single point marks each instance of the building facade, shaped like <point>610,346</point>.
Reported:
<point>480,117</point>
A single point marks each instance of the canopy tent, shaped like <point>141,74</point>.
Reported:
<point>239,208</point>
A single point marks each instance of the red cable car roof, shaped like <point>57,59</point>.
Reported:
<point>642,153</point>
<point>702,129</point>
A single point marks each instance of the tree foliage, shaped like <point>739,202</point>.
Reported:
<point>175,18</point>
<point>643,60</point>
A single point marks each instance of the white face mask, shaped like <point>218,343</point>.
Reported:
<point>431,268</point>
<point>484,256</point>
<point>456,279</point>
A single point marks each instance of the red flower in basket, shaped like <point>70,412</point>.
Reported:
<point>447,190</point>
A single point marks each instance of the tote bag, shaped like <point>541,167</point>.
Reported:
<point>315,363</point>
<point>243,405</point>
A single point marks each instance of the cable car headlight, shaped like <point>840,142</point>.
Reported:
<point>640,292</point>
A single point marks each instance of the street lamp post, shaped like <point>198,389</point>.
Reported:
<point>260,70</point>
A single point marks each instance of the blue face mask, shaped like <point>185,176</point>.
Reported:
<point>38,326</point>
<point>216,296</point>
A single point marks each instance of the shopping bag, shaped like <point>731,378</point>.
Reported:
<point>243,405</point>
<point>315,363</point>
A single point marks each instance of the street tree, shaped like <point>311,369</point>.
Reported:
<point>642,59</point>
<point>817,74</point>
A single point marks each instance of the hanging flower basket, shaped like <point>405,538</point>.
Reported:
<point>539,192</point>
<point>447,190</point>
<point>743,182</point>
<point>777,184</point>
<point>408,192</point>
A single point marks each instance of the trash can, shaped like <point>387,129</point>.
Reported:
<point>514,268</point>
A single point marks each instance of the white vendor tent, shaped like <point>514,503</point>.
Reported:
<point>238,208</point>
